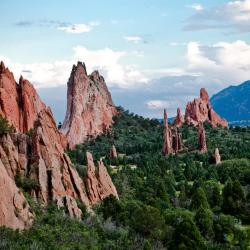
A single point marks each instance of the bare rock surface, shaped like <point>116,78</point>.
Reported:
<point>90,108</point>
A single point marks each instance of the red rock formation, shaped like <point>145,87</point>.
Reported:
<point>90,108</point>
<point>200,110</point>
<point>167,145</point>
<point>217,156</point>
<point>202,139</point>
<point>57,178</point>
<point>98,182</point>
<point>39,156</point>
<point>177,141</point>
<point>179,120</point>
<point>113,152</point>
<point>14,209</point>
<point>19,103</point>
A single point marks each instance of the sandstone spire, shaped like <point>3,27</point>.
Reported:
<point>113,152</point>
<point>202,139</point>
<point>217,156</point>
<point>90,108</point>
<point>179,119</point>
<point>167,145</point>
<point>200,110</point>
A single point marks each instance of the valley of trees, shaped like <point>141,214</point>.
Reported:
<point>181,201</point>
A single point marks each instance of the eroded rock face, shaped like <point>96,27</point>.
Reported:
<point>90,108</point>
<point>202,139</point>
<point>200,110</point>
<point>179,119</point>
<point>19,103</point>
<point>167,145</point>
<point>98,182</point>
<point>217,156</point>
<point>14,209</point>
<point>39,156</point>
<point>57,178</point>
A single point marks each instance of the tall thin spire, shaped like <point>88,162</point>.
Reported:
<point>167,145</point>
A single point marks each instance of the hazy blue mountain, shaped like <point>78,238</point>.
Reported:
<point>233,103</point>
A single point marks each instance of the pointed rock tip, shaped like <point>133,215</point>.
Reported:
<point>204,95</point>
<point>79,65</point>
<point>2,66</point>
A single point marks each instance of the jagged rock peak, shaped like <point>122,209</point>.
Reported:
<point>2,67</point>
<point>90,108</point>
<point>98,182</point>
<point>20,103</point>
<point>79,66</point>
<point>200,110</point>
<point>179,119</point>
<point>202,139</point>
<point>204,95</point>
<point>217,156</point>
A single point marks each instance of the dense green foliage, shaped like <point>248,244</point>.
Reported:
<point>181,201</point>
<point>5,127</point>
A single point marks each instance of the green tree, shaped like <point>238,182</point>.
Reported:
<point>199,199</point>
<point>5,127</point>
<point>233,198</point>
<point>187,236</point>
<point>204,221</point>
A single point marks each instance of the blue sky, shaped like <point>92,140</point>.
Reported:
<point>153,53</point>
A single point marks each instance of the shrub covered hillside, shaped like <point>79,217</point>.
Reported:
<point>182,201</point>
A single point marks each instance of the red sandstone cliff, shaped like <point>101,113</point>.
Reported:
<point>39,157</point>
<point>200,110</point>
<point>90,108</point>
<point>19,103</point>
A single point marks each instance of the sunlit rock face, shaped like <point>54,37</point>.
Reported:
<point>179,119</point>
<point>90,108</point>
<point>38,155</point>
<point>200,110</point>
<point>19,102</point>
<point>98,182</point>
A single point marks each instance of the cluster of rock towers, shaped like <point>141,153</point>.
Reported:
<point>197,112</point>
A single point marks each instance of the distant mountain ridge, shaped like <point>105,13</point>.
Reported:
<point>233,103</point>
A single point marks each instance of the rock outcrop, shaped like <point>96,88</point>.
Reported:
<point>200,110</point>
<point>167,144</point>
<point>177,144</point>
<point>98,182</point>
<point>38,156</point>
<point>172,138</point>
<point>179,119</point>
<point>14,209</point>
<point>217,156</point>
<point>202,139</point>
<point>90,108</point>
<point>19,103</point>
<point>113,152</point>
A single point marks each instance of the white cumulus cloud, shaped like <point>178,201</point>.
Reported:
<point>107,61</point>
